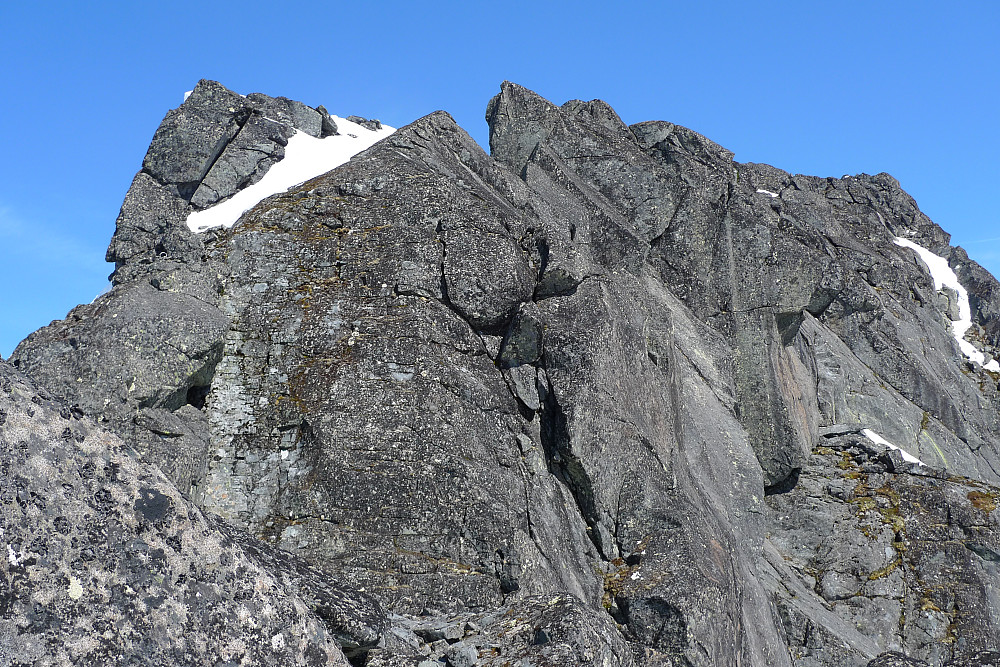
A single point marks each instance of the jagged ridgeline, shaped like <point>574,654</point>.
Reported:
<point>601,397</point>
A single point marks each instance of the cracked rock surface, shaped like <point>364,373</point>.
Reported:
<point>599,397</point>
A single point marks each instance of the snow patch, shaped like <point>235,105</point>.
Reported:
<point>306,157</point>
<point>187,94</point>
<point>107,288</point>
<point>879,440</point>
<point>944,276</point>
<point>768,193</point>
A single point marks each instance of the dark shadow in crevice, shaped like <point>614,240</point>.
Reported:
<point>785,485</point>
<point>197,394</point>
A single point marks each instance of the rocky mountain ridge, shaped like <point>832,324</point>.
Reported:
<point>603,396</point>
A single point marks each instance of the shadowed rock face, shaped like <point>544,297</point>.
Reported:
<point>595,398</point>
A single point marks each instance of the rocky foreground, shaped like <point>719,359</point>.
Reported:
<point>602,397</point>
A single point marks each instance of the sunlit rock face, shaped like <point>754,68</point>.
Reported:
<point>105,562</point>
<point>603,396</point>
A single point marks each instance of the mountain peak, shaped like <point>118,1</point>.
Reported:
<point>604,396</point>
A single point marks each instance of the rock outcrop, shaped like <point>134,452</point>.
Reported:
<point>604,396</point>
<point>106,563</point>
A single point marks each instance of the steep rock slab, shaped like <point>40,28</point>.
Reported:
<point>105,562</point>
<point>852,397</point>
<point>878,300</point>
<point>585,148</point>
<point>385,422</point>
<point>751,249</point>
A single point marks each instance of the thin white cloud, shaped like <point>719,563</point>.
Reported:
<point>7,222</point>
<point>42,245</point>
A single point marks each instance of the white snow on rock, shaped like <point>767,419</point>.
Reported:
<point>187,94</point>
<point>306,157</point>
<point>107,288</point>
<point>767,192</point>
<point>879,440</point>
<point>944,276</point>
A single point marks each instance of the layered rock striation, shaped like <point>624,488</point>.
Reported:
<point>603,396</point>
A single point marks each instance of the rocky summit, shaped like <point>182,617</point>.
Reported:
<point>602,396</point>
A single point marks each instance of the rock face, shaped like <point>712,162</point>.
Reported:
<point>602,397</point>
<point>206,150</point>
<point>107,563</point>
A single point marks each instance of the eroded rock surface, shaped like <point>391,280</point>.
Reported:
<point>106,563</point>
<point>601,397</point>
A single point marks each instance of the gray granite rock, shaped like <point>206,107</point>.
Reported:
<point>258,145</point>
<point>600,397</point>
<point>873,545</point>
<point>373,124</point>
<point>106,563</point>
<point>141,360</point>
<point>192,136</point>
<point>978,659</point>
<point>894,659</point>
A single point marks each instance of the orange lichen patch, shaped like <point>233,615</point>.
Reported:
<point>884,501</point>
<point>846,462</point>
<point>987,502</point>
<point>926,604</point>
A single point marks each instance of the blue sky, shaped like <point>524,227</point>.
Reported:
<point>911,88</point>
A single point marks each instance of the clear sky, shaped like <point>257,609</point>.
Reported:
<point>911,88</point>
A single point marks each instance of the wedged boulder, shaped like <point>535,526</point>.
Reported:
<point>192,136</point>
